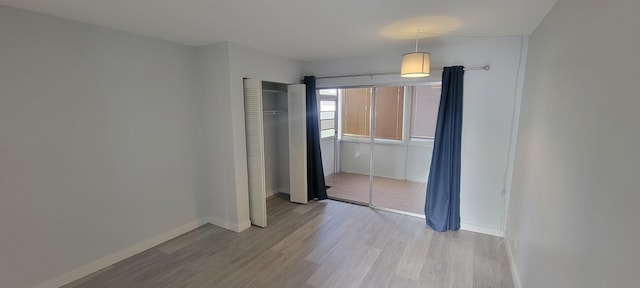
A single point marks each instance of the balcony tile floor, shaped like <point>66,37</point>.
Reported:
<point>387,192</point>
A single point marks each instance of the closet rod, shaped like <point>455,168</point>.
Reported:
<point>471,68</point>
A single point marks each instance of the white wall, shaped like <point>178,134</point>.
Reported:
<point>488,109</point>
<point>574,203</point>
<point>227,65</point>
<point>214,72</point>
<point>98,143</point>
<point>404,161</point>
<point>417,155</point>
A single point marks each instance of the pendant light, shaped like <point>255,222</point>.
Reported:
<point>415,64</point>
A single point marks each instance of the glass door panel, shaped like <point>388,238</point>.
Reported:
<point>404,124</point>
<point>351,180</point>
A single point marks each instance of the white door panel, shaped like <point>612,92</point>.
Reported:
<point>255,151</point>
<point>298,143</point>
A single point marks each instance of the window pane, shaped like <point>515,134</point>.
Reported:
<point>355,111</point>
<point>327,124</point>
<point>425,101</point>
<point>327,105</point>
<point>327,115</point>
<point>327,133</point>
<point>389,112</point>
<point>328,92</point>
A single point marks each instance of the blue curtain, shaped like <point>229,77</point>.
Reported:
<point>316,188</point>
<point>442,205</point>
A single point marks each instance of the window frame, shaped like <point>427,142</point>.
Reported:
<point>332,98</point>
<point>406,138</point>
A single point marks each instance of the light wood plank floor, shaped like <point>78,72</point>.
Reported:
<point>387,192</point>
<point>321,244</point>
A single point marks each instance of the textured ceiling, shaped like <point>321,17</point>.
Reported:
<point>299,29</point>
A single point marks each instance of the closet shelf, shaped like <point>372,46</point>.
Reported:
<point>273,112</point>
<point>273,91</point>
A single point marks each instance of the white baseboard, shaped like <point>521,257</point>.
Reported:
<point>235,227</point>
<point>514,270</point>
<point>118,256</point>
<point>283,190</point>
<point>481,229</point>
<point>243,226</point>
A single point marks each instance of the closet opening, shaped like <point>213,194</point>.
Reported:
<point>275,126</point>
<point>276,138</point>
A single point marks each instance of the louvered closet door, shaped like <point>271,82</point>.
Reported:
<point>297,143</point>
<point>255,151</point>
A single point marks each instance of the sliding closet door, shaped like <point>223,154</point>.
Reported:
<point>255,151</point>
<point>297,143</point>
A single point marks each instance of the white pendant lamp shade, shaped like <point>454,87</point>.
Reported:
<point>415,64</point>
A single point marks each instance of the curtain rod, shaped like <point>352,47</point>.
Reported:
<point>472,68</point>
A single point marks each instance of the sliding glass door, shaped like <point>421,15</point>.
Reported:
<point>382,145</point>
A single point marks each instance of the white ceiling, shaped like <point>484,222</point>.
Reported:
<point>299,29</point>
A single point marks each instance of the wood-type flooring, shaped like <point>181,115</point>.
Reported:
<point>321,244</point>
